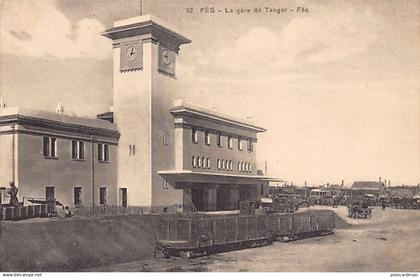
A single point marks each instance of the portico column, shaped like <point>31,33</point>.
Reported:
<point>187,200</point>
<point>211,198</point>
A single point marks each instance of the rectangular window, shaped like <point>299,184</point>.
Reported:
<point>77,150</point>
<point>106,152</point>
<point>74,149</point>
<point>103,152</point>
<point>53,147</point>
<point>250,145</point>
<point>207,137</point>
<point>46,146</point>
<point>219,139</point>
<point>240,144</point>
<point>194,136</point>
<point>81,150</point>
<point>102,196</point>
<point>230,142</point>
<point>262,189</point>
<point>77,196</point>
<point>49,147</point>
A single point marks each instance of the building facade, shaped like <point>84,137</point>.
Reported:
<point>55,156</point>
<point>161,151</point>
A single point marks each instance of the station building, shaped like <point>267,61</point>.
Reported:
<point>153,150</point>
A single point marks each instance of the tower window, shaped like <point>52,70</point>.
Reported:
<point>132,149</point>
<point>165,140</point>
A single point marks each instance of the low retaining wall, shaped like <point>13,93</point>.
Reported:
<point>23,212</point>
<point>73,244</point>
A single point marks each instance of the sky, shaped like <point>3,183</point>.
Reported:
<point>337,87</point>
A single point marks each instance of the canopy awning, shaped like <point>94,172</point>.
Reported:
<point>188,176</point>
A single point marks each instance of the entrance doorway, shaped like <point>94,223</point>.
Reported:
<point>223,198</point>
<point>50,194</point>
<point>197,197</point>
<point>123,197</point>
<point>50,199</point>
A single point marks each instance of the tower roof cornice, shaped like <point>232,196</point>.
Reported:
<point>147,24</point>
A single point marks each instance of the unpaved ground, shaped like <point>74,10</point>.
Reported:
<point>389,241</point>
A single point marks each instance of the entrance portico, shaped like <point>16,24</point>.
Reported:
<point>214,192</point>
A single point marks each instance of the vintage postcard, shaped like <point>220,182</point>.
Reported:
<point>209,136</point>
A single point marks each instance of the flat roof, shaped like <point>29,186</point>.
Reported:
<point>181,108</point>
<point>22,114</point>
<point>208,177</point>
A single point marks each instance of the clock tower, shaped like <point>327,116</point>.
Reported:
<point>144,75</point>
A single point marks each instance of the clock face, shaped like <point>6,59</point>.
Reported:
<point>131,53</point>
<point>165,56</point>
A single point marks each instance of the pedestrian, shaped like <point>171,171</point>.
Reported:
<point>335,202</point>
<point>67,212</point>
<point>383,204</point>
<point>13,191</point>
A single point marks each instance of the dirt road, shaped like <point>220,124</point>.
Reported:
<point>389,241</point>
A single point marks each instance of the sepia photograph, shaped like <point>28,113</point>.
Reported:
<point>209,136</point>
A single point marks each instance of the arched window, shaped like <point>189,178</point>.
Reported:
<point>208,163</point>
<point>203,162</point>
<point>198,162</point>
<point>239,166</point>
<point>223,164</point>
<point>193,161</point>
<point>218,164</point>
<point>250,167</point>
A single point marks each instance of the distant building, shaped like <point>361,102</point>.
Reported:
<point>369,187</point>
